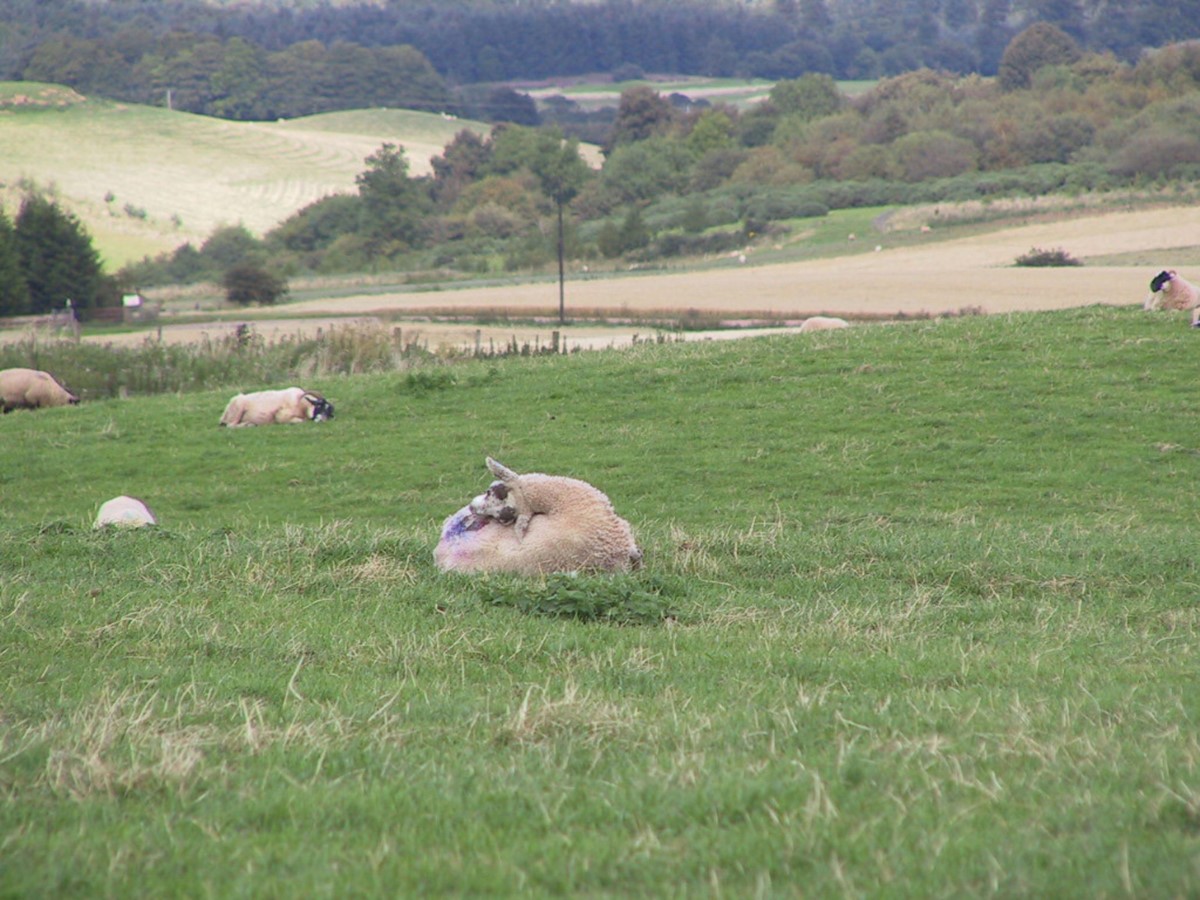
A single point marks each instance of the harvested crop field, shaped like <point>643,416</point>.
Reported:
<point>944,277</point>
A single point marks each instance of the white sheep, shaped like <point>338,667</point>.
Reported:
<point>285,406</point>
<point>535,524</point>
<point>823,323</point>
<point>32,389</point>
<point>128,512</point>
<point>1170,290</point>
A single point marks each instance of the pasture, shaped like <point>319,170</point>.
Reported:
<point>593,94</point>
<point>918,618</point>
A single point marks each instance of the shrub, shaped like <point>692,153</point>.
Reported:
<point>693,244</point>
<point>627,72</point>
<point>772,207</point>
<point>632,234</point>
<point>248,283</point>
<point>1039,257</point>
<point>923,155</point>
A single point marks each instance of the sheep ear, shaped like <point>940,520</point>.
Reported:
<point>500,471</point>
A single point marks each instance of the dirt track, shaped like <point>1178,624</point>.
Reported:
<point>945,276</point>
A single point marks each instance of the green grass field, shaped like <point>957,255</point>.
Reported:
<point>738,92</point>
<point>919,618</point>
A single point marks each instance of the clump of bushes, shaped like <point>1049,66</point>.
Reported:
<point>1040,257</point>
<point>692,245</point>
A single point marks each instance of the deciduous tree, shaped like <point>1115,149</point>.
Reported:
<point>808,97</point>
<point>933,154</point>
<point>641,113</point>
<point>461,162</point>
<point>395,206</point>
<point>647,169</point>
<point>1041,44</point>
<point>248,282</point>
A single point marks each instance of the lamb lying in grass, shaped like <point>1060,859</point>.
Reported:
<point>285,406</point>
<point>32,389</point>
<point>1169,290</point>
<point>536,524</point>
<point>128,512</point>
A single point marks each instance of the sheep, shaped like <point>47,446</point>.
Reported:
<point>32,389</point>
<point>1169,290</point>
<point>125,511</point>
<point>823,323</point>
<point>285,406</point>
<point>536,524</point>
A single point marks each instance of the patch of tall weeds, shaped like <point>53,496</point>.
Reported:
<point>617,600</point>
<point>242,358</point>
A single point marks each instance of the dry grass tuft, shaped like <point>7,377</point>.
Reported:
<point>574,717</point>
<point>124,741</point>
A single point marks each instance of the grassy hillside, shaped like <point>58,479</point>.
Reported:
<point>146,179</point>
<point>918,618</point>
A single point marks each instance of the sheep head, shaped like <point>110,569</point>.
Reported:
<point>322,409</point>
<point>1159,280</point>
<point>497,502</point>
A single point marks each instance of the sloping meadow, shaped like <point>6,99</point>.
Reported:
<point>918,617</point>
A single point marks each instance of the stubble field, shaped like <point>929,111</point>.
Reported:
<point>944,276</point>
<point>934,277</point>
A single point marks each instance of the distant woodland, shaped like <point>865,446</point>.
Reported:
<point>277,59</point>
<point>696,181</point>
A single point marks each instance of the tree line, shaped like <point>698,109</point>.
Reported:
<point>259,61</point>
<point>707,179</point>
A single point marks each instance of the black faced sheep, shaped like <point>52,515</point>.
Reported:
<point>125,511</point>
<point>32,389</point>
<point>285,406</point>
<point>536,524</point>
<point>1170,290</point>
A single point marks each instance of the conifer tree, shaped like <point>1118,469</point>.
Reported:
<point>14,295</point>
<point>58,261</point>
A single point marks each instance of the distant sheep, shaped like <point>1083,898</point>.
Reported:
<point>535,524</point>
<point>823,323</point>
<point>32,389</point>
<point>285,406</point>
<point>128,512</point>
<point>1170,290</point>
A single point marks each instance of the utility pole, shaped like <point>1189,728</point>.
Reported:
<point>562,313</point>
